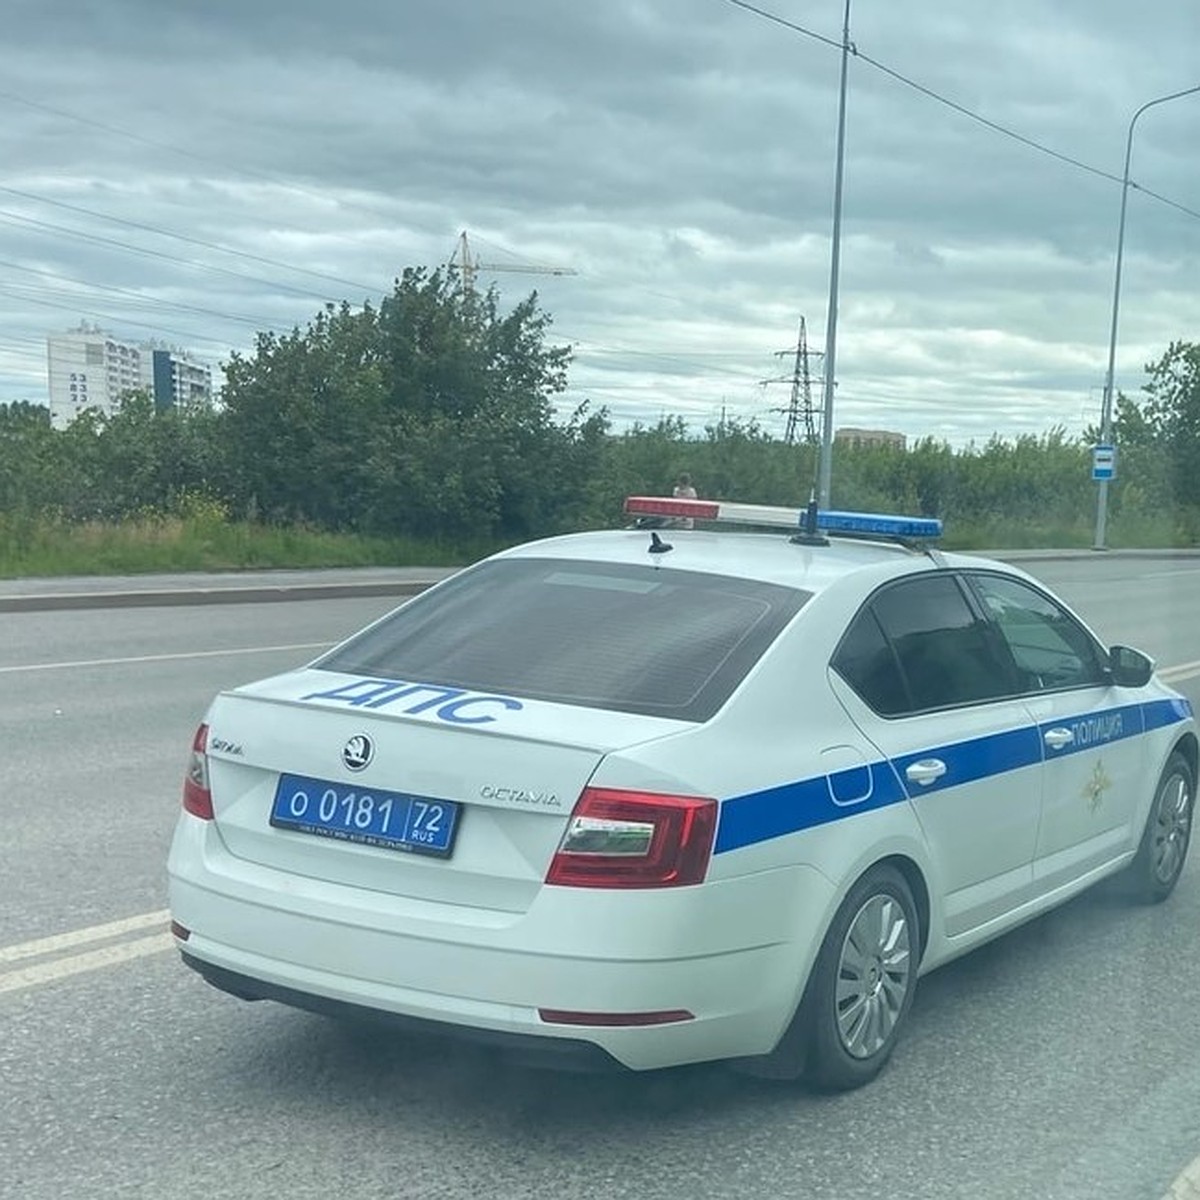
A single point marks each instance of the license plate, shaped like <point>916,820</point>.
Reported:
<point>369,816</point>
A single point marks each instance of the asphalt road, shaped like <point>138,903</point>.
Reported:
<point>1062,1061</point>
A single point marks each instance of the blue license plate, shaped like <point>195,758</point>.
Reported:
<point>372,817</point>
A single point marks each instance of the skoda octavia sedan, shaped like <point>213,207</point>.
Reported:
<point>663,795</point>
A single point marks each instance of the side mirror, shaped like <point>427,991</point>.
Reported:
<point>1129,667</point>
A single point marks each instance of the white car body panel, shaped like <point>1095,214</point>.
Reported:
<point>812,788</point>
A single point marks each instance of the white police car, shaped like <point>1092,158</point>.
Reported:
<point>657,797</point>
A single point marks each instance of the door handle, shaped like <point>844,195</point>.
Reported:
<point>1056,739</point>
<point>925,771</point>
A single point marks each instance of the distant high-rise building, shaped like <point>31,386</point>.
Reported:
<point>89,368</point>
<point>177,378</point>
<point>862,438</point>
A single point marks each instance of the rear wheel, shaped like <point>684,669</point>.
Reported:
<point>863,981</point>
<point>1159,861</point>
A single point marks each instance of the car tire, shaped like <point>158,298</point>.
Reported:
<point>863,981</point>
<point>1155,869</point>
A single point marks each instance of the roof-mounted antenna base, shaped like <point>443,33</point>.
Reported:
<point>809,534</point>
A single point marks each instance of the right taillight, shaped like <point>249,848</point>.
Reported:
<point>197,798</point>
<point>628,839</point>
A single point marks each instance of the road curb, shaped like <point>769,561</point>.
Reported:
<point>256,594</point>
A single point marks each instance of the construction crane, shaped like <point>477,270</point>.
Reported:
<point>469,265</point>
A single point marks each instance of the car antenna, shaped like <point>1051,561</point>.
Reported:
<point>809,534</point>
<point>657,545</point>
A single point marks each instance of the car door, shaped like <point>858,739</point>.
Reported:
<point>1096,765</point>
<point>926,681</point>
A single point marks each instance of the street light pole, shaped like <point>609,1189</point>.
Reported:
<point>825,470</point>
<point>1106,413</point>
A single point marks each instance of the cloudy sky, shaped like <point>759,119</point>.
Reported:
<point>196,170</point>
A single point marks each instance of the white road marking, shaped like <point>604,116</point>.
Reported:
<point>152,658</point>
<point>81,937</point>
<point>90,960</point>
<point>1180,671</point>
<point>1168,574</point>
<point>1186,1185</point>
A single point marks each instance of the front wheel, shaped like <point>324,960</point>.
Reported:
<point>1155,869</point>
<point>863,981</point>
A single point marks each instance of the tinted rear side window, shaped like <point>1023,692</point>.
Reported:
<point>631,638</point>
<point>947,655</point>
<point>867,663</point>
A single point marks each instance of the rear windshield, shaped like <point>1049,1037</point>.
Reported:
<point>631,638</point>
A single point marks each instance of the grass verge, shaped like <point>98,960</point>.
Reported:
<point>37,546</point>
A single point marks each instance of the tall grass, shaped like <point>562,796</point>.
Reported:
<point>206,540</point>
<point>42,546</point>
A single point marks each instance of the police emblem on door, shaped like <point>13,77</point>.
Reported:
<point>1096,786</point>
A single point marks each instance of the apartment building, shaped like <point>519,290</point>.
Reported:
<point>89,368</point>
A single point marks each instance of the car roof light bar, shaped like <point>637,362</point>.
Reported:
<point>852,524</point>
<point>878,524</point>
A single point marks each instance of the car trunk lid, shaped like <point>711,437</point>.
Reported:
<point>515,767</point>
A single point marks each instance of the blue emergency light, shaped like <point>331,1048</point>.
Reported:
<point>877,524</point>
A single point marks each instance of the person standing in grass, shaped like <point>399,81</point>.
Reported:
<point>684,491</point>
<point>683,487</point>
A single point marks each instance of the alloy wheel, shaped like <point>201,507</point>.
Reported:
<point>874,976</point>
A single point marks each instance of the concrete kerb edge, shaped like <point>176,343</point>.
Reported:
<point>49,601</point>
<point>259,593</point>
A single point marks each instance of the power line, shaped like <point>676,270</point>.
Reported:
<point>139,297</point>
<point>206,160</point>
<point>770,16</point>
<point>182,237</point>
<point>9,217</point>
<point>1183,208</point>
<point>114,320</point>
<point>709,369</point>
<point>1020,137</point>
<point>995,126</point>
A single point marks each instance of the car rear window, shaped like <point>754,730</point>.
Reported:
<point>637,639</point>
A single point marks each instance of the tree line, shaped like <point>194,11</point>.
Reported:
<point>431,415</point>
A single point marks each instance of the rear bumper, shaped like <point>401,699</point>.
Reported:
<point>559,1052</point>
<point>734,953</point>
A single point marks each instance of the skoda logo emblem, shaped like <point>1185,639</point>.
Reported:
<point>357,752</point>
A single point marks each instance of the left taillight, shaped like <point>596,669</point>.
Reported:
<point>628,839</point>
<point>197,798</point>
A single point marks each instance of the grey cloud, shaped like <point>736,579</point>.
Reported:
<point>679,154</point>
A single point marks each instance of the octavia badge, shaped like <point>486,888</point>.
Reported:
<point>358,752</point>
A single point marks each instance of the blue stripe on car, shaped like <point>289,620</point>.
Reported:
<point>807,803</point>
<point>979,758</point>
<point>1158,713</point>
<point>1093,729</point>
<point>761,816</point>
